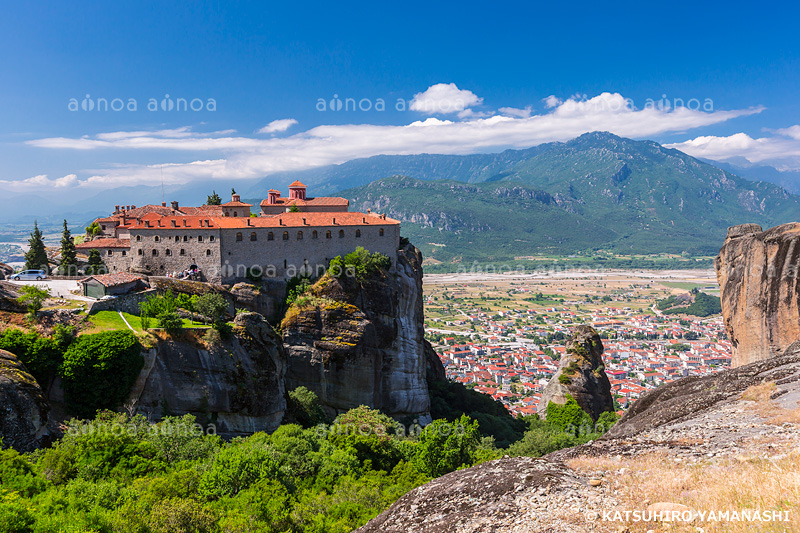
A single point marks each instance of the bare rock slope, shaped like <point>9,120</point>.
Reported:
<point>362,343</point>
<point>23,407</point>
<point>758,277</point>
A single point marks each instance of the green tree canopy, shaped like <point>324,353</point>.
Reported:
<point>36,256</point>
<point>68,266</point>
<point>95,264</point>
<point>214,199</point>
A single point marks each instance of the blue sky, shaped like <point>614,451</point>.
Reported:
<point>486,76</point>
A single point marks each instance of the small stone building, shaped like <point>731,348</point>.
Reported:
<point>111,284</point>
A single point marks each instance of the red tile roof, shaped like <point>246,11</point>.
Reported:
<point>296,184</point>
<point>283,220</point>
<point>322,200</point>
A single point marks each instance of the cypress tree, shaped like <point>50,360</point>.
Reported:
<point>36,256</point>
<point>214,199</point>
<point>69,261</point>
<point>96,265</point>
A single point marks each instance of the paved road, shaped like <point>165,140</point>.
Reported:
<point>58,288</point>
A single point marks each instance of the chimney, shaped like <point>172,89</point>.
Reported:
<point>207,224</point>
<point>116,209</point>
<point>174,205</point>
<point>248,221</point>
<point>235,198</point>
<point>363,220</point>
<point>280,222</point>
<point>334,220</point>
<point>163,204</point>
<point>133,207</point>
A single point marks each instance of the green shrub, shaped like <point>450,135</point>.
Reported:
<point>445,446</point>
<point>569,416</point>
<point>303,407</point>
<point>359,263</point>
<point>181,515</point>
<point>16,515</point>
<point>170,321</point>
<point>40,355</point>
<point>296,287</point>
<point>99,370</point>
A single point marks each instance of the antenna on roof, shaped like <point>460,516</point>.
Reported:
<point>162,183</point>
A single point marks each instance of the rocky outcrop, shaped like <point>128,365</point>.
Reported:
<point>8,298</point>
<point>236,384</point>
<point>581,374</point>
<point>758,278</point>
<point>265,297</point>
<point>361,343</point>
<point>23,407</point>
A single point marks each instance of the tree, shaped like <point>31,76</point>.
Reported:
<point>93,230</point>
<point>445,447</point>
<point>214,199</point>
<point>69,261</point>
<point>33,297</point>
<point>95,265</point>
<point>212,306</point>
<point>36,256</point>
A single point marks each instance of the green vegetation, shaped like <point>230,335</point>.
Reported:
<point>68,266</point>
<point>93,229</point>
<point>212,306</point>
<point>41,356</point>
<point>99,370</point>
<point>36,256</point>
<point>296,287</point>
<point>702,305</point>
<point>32,297</point>
<point>95,264</point>
<point>214,199</point>
<point>359,264</point>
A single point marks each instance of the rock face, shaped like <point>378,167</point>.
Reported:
<point>758,278</point>
<point>8,298</point>
<point>265,298</point>
<point>580,374</point>
<point>237,385</point>
<point>23,407</point>
<point>362,343</point>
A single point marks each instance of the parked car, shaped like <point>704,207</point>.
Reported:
<point>29,275</point>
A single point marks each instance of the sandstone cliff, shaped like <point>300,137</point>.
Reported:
<point>758,278</point>
<point>581,374</point>
<point>238,384</point>
<point>23,407</point>
<point>361,343</point>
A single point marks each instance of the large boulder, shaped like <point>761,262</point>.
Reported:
<point>23,407</point>
<point>356,343</point>
<point>235,384</point>
<point>266,297</point>
<point>8,298</point>
<point>758,278</point>
<point>581,375</point>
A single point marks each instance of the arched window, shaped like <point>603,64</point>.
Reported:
<point>314,234</point>
<point>124,253</point>
<point>141,252</point>
<point>155,252</point>
<point>177,238</point>
<point>328,234</point>
<point>381,232</point>
<point>270,236</point>
<point>358,233</point>
<point>185,238</point>
<point>199,238</point>
<point>239,237</point>
<point>211,238</point>
<point>183,252</point>
<point>299,235</point>
<point>138,238</point>
<point>167,252</point>
<point>156,238</point>
<point>236,213</point>
<point>341,234</point>
<point>208,252</point>
<point>285,235</point>
<point>253,236</point>
<point>110,252</point>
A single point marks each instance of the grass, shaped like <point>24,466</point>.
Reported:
<point>726,485</point>
<point>110,320</point>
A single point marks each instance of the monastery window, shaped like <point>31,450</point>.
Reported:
<point>177,238</point>
<point>138,238</point>
<point>167,252</point>
<point>124,253</point>
<point>341,234</point>
<point>156,238</point>
<point>236,213</point>
<point>358,233</point>
<point>253,236</point>
<point>155,252</point>
<point>141,252</point>
<point>328,234</point>
<point>110,252</point>
<point>270,236</point>
<point>314,234</point>
<point>285,235</point>
<point>208,252</point>
<point>211,239</point>
<point>381,232</point>
<point>239,237</point>
<point>183,252</point>
<point>299,235</point>
<point>103,227</point>
<point>199,238</point>
<point>185,238</point>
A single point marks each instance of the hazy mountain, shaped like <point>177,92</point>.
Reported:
<point>598,191</point>
<point>788,179</point>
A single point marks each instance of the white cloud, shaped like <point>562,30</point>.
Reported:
<point>279,125</point>
<point>40,182</point>
<point>782,151</point>
<point>515,112</point>
<point>551,101</point>
<point>444,98</point>
<point>246,157</point>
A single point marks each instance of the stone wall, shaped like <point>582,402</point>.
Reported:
<point>200,246</point>
<point>127,303</point>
